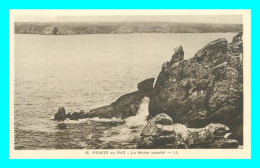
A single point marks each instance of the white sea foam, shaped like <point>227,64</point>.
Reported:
<point>132,127</point>
<point>140,117</point>
<point>138,120</point>
<point>97,119</point>
<point>155,79</point>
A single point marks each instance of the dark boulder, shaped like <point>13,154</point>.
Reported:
<point>157,133</point>
<point>156,125</point>
<point>60,115</point>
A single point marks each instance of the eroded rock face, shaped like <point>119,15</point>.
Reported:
<point>168,135</point>
<point>146,87</point>
<point>207,88</point>
<point>127,105</point>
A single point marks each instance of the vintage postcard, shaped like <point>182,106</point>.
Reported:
<point>130,84</point>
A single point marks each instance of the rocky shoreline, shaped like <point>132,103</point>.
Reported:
<point>195,103</point>
<point>161,132</point>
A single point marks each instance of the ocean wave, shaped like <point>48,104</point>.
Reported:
<point>95,119</point>
<point>131,129</point>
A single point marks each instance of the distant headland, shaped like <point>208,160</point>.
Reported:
<point>73,28</point>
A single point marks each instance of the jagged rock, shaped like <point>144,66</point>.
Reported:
<point>204,89</point>
<point>60,115</point>
<point>184,100</point>
<point>214,135</point>
<point>178,55</point>
<point>238,37</point>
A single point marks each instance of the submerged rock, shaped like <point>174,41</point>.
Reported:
<point>156,135</point>
<point>207,88</point>
<point>61,115</point>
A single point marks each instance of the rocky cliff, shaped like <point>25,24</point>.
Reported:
<point>195,103</point>
<point>207,88</point>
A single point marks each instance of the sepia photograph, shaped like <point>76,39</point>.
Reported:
<point>130,84</point>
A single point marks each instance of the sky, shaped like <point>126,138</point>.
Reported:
<point>232,19</point>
